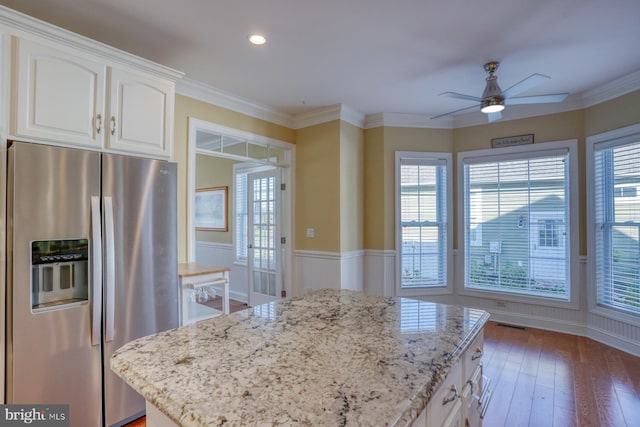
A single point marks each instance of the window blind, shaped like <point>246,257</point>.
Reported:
<point>617,227</point>
<point>516,224</point>
<point>240,207</point>
<point>423,226</point>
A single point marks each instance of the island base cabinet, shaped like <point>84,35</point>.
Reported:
<point>462,398</point>
<point>444,408</point>
<point>155,418</point>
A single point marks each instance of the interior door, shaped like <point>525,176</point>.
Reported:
<point>263,237</point>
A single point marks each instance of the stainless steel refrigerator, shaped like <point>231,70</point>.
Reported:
<point>91,265</point>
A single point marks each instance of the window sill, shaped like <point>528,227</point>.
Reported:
<point>521,298</point>
<point>424,291</point>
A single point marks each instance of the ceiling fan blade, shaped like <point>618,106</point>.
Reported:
<point>461,96</point>
<point>450,113</point>
<point>538,99</point>
<point>494,116</point>
<point>524,85</point>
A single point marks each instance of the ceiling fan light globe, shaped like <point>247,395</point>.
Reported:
<point>495,104</point>
<point>492,108</point>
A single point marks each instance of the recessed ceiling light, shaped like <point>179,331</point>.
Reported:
<point>257,39</point>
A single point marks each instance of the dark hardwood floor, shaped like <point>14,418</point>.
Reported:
<point>548,379</point>
<point>233,304</point>
<point>543,378</point>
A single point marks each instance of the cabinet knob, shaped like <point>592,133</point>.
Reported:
<point>98,123</point>
<point>113,125</point>
<point>477,355</point>
<point>452,397</point>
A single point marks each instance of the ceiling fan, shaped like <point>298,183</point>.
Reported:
<point>494,99</point>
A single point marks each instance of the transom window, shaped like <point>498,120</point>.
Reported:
<point>516,207</point>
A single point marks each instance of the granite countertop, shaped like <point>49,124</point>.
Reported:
<point>330,357</point>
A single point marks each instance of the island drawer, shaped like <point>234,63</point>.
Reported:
<point>473,355</point>
<point>446,398</point>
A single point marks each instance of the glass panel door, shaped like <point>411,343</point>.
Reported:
<point>263,237</point>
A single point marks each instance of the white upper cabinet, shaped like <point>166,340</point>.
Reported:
<point>140,113</point>
<point>74,98</point>
<point>60,96</point>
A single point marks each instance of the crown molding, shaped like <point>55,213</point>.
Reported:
<point>22,25</point>
<point>328,114</point>
<point>612,89</point>
<point>211,95</point>
<point>406,120</point>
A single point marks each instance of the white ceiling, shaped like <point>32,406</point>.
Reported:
<point>374,56</point>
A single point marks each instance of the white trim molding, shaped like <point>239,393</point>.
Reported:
<point>380,272</point>
<point>336,270</point>
<point>211,95</point>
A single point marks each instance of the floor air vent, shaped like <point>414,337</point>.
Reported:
<point>504,325</point>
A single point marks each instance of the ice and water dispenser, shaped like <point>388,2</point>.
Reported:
<point>59,273</point>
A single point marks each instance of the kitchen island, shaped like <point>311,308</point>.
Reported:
<point>330,357</point>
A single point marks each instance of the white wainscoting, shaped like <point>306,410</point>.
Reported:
<point>620,335</point>
<point>379,278</point>
<point>380,272</point>
<point>318,270</point>
<point>222,255</point>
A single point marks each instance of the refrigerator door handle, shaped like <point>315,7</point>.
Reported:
<point>110,292</point>
<point>96,285</point>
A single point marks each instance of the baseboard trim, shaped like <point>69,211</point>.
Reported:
<point>616,341</point>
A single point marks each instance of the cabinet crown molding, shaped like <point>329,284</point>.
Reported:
<point>19,24</point>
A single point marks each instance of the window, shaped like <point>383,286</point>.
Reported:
<point>240,208</point>
<point>423,229</point>
<point>548,233</point>
<point>520,198</point>
<point>240,214</point>
<point>625,191</point>
<point>616,220</point>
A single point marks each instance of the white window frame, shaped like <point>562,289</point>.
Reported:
<point>615,137</point>
<point>504,153</point>
<point>447,288</point>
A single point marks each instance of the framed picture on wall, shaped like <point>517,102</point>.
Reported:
<point>211,209</point>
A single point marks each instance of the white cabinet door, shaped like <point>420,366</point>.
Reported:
<point>60,96</point>
<point>141,109</point>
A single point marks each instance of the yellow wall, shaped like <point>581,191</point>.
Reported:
<point>188,107</point>
<point>613,114</point>
<point>374,195</point>
<point>318,187</point>
<point>351,187</point>
<point>216,172</point>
